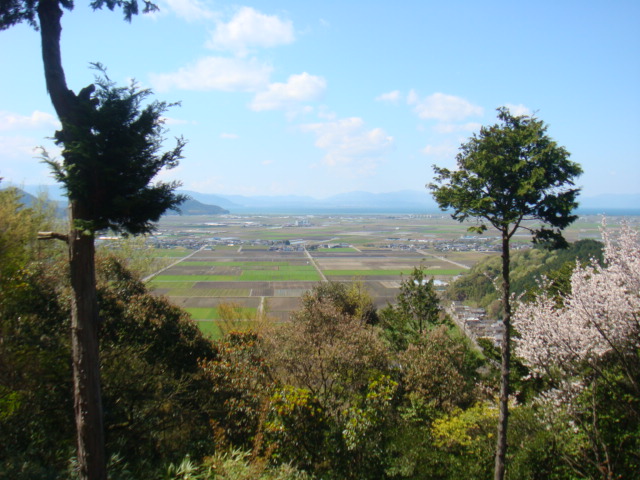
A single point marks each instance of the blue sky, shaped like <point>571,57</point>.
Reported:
<point>318,98</point>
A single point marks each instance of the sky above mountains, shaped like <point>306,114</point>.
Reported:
<point>319,98</point>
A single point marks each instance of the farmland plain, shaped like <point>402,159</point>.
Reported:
<point>263,264</point>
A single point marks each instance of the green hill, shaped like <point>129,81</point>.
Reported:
<point>480,286</point>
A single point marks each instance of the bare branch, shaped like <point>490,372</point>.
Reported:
<point>53,236</point>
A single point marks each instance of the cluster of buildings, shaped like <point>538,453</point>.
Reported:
<point>475,323</point>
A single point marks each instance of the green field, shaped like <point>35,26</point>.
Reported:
<point>253,276</point>
<point>187,290</point>
<point>215,329</point>
<point>309,275</point>
<point>211,313</point>
<point>373,273</point>
<point>222,263</point>
<point>302,273</point>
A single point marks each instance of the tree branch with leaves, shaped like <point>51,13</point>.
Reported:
<point>510,173</point>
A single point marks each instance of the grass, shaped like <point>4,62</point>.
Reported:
<point>210,329</point>
<point>170,285</point>
<point>279,275</point>
<point>204,313</point>
<point>212,313</point>
<point>362,273</point>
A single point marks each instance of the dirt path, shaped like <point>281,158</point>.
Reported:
<point>427,254</point>
<point>149,277</point>
<point>313,262</point>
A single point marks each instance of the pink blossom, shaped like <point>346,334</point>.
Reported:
<point>601,314</point>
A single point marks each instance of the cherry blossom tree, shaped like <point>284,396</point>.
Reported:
<point>586,346</point>
<point>601,314</point>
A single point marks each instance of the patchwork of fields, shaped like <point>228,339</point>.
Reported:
<point>240,260</point>
<point>259,280</point>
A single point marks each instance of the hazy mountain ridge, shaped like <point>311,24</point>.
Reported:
<point>404,201</point>
<point>194,207</point>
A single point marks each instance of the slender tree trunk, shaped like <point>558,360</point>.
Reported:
<point>63,99</point>
<point>85,356</point>
<point>84,309</point>
<point>503,420</point>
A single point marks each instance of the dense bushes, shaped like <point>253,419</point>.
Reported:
<point>338,392</point>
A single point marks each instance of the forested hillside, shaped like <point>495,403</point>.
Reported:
<point>341,391</point>
<point>480,286</point>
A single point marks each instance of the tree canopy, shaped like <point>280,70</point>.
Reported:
<point>509,173</point>
<point>13,12</point>
<point>112,156</point>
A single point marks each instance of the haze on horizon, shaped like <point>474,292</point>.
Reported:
<point>317,99</point>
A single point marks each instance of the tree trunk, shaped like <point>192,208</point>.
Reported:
<point>503,420</point>
<point>85,356</point>
<point>63,99</point>
<point>84,309</point>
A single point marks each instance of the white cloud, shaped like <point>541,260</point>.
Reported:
<point>266,162</point>
<point>391,97</point>
<point>445,108</point>
<point>249,29</point>
<point>299,88</point>
<point>518,110</point>
<point>350,147</point>
<point>216,73</point>
<point>229,136</point>
<point>18,146</point>
<point>189,10</point>
<point>453,128</point>
<point>412,97</point>
<point>38,119</point>
<point>326,114</point>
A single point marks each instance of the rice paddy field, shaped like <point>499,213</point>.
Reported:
<point>262,265</point>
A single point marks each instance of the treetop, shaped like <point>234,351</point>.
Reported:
<point>510,172</point>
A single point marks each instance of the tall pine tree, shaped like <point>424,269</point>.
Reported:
<point>509,174</point>
<point>111,152</point>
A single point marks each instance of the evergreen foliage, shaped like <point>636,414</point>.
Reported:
<point>110,158</point>
<point>416,310</point>
<point>510,173</point>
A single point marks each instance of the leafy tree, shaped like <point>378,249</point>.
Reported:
<point>417,309</point>
<point>440,370</point>
<point>327,347</point>
<point>242,382</point>
<point>350,299</point>
<point>157,400</point>
<point>332,365</point>
<point>97,128</point>
<point>18,229</point>
<point>509,174</point>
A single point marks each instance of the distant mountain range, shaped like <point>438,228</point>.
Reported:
<point>406,201</point>
<point>189,207</point>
